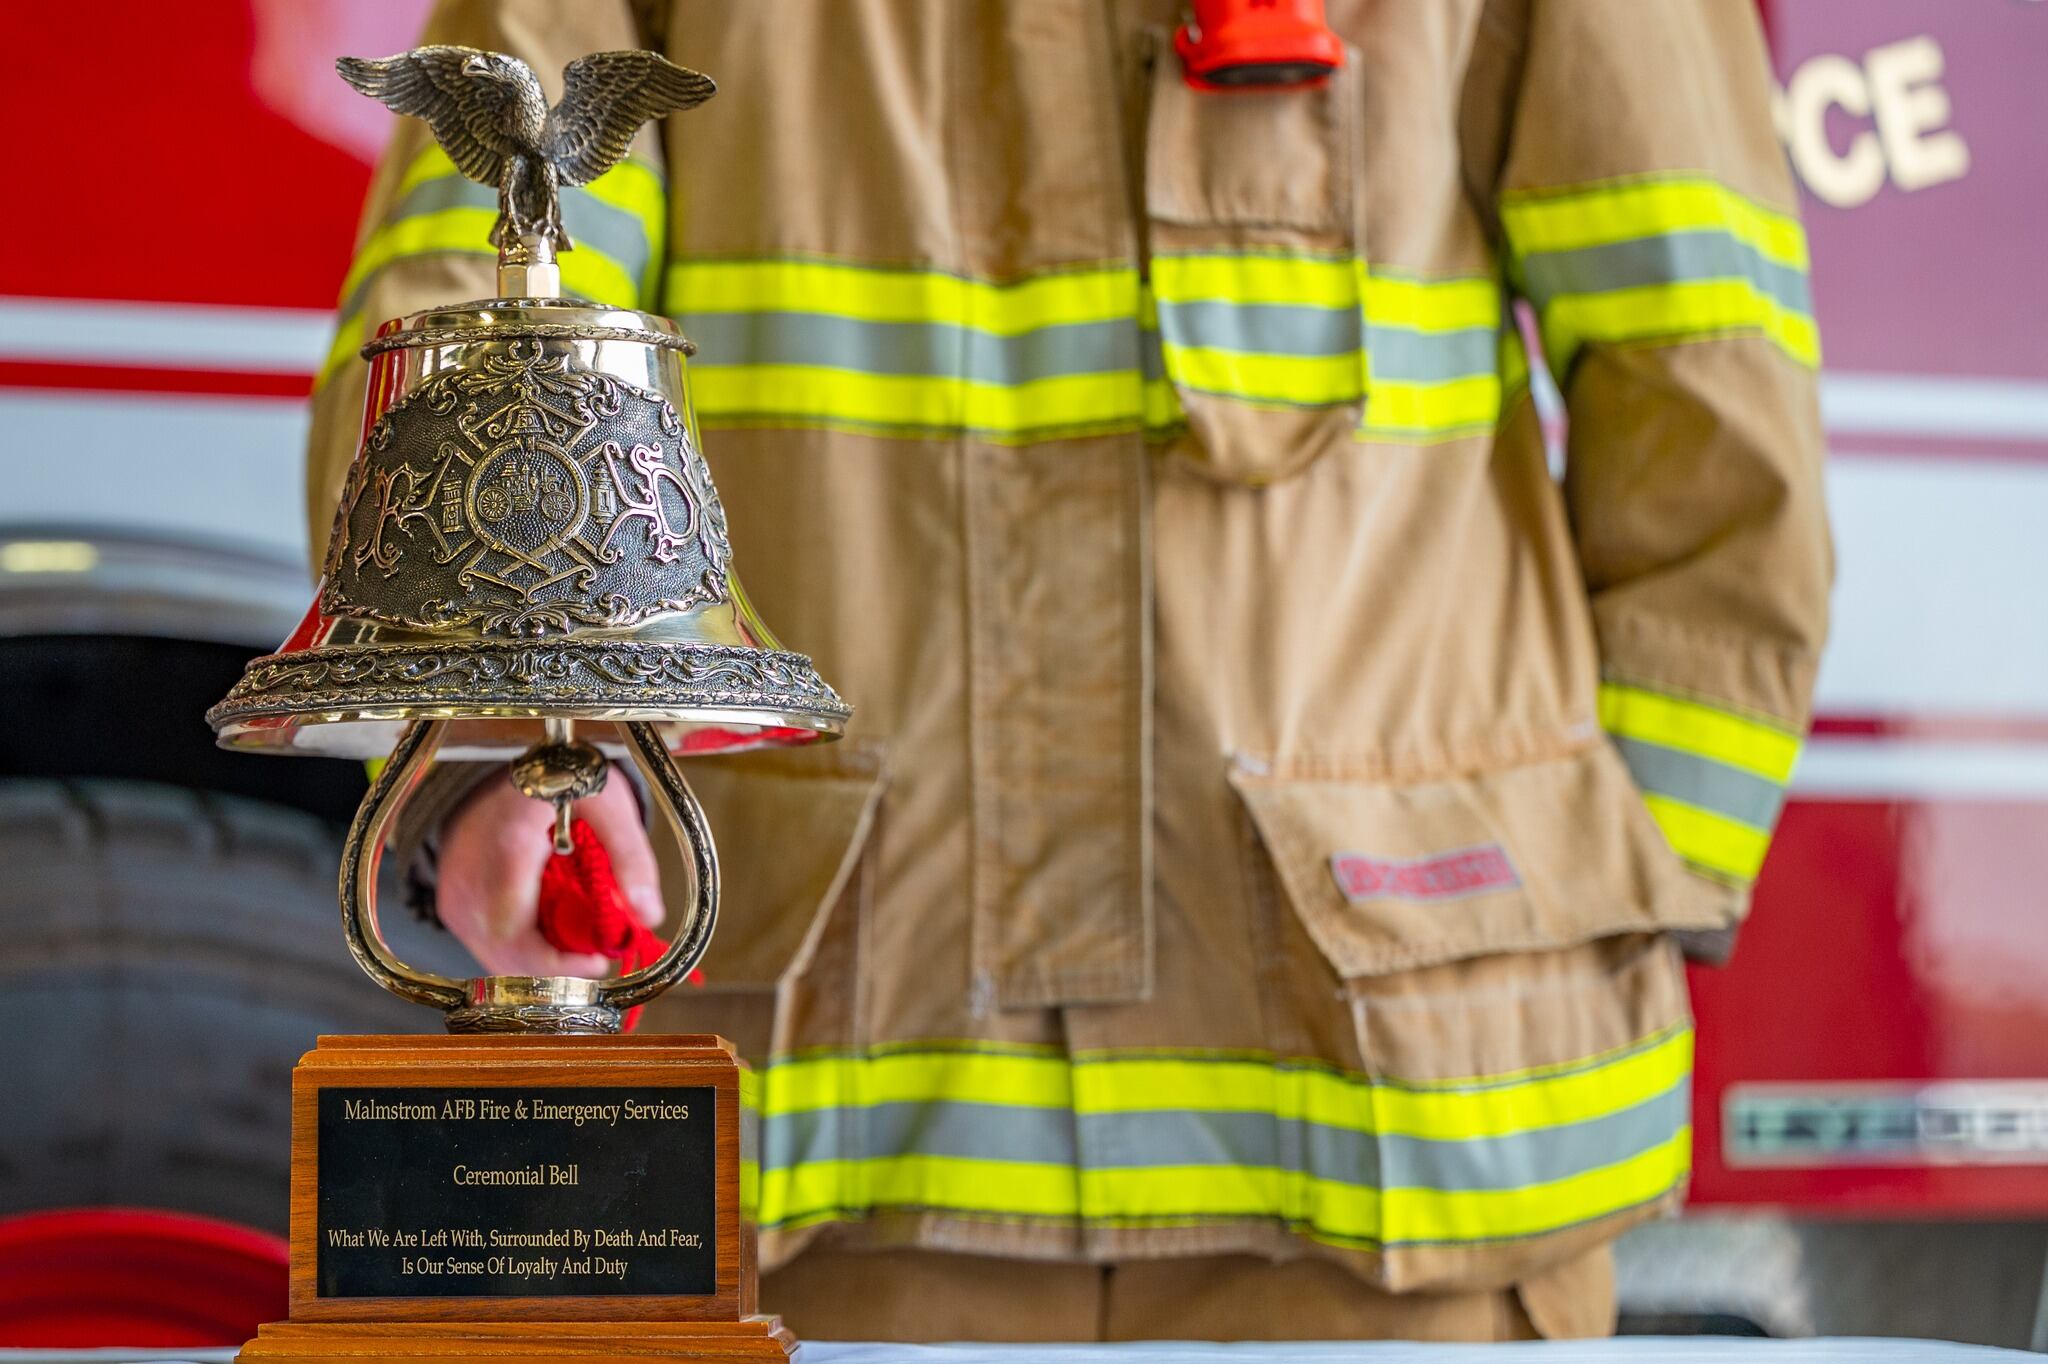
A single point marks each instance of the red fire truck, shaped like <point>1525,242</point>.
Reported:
<point>1872,1091</point>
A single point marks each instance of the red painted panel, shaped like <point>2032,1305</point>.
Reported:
<point>1892,942</point>
<point>201,161</point>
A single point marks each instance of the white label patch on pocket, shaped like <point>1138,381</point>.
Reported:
<point>1424,880</point>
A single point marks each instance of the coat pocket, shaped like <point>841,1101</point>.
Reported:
<point>1255,270</point>
<point>1521,1033</point>
<point>792,830</point>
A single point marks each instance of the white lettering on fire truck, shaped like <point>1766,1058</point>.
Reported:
<point>1896,96</point>
<point>1976,1122</point>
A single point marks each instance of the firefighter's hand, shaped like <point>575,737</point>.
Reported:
<point>492,851</point>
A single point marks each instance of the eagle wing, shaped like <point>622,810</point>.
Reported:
<point>469,112</point>
<point>605,98</point>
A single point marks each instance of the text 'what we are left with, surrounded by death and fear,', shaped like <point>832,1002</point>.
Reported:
<point>477,1191</point>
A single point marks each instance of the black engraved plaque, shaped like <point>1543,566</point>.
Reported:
<point>506,1192</point>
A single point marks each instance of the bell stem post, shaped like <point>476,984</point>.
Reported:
<point>527,268</point>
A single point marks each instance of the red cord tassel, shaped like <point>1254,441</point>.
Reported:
<point>582,909</point>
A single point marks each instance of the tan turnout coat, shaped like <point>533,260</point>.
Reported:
<point>1272,791</point>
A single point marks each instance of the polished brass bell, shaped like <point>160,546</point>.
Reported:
<point>529,557</point>
<point>527,531</point>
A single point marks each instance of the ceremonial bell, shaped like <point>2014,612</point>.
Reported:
<point>529,560</point>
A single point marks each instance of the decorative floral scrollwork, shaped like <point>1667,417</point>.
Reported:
<point>521,494</point>
<point>562,673</point>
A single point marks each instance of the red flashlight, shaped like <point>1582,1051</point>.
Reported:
<point>1257,44</point>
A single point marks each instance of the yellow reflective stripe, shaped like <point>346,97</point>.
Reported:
<point>1433,411</point>
<point>1660,259</point>
<point>631,186</point>
<point>1165,1195</point>
<point>348,339</point>
<point>960,1075</point>
<point>964,354</point>
<point>636,188</point>
<point>1549,1101</point>
<point>1412,410</point>
<point>431,164</point>
<point>1256,278</point>
<point>1288,379</point>
<point>1432,305</point>
<point>1162,407</point>
<point>879,294</point>
<point>1191,1093</point>
<point>1330,1210</point>
<point>1161,414</point>
<point>463,231</point>
<point>467,231</point>
<point>1115,1083</point>
<point>1451,1111</point>
<point>1514,359</point>
<point>1430,394</point>
<point>818,393</point>
<point>1221,353</point>
<point>1436,1215</point>
<point>1712,841</point>
<point>1694,309</point>
<point>1768,750</point>
<point>812,342</point>
<point>1580,216</point>
<point>942,1183</point>
<point>750,1162</point>
<point>445,230</point>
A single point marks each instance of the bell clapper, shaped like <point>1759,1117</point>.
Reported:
<point>564,844</point>
<point>562,770</point>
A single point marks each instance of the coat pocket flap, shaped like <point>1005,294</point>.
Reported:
<point>1250,158</point>
<point>1395,876</point>
<point>790,827</point>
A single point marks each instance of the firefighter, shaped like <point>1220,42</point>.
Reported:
<point>1248,901</point>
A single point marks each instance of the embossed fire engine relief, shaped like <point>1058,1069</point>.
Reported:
<point>554,495</point>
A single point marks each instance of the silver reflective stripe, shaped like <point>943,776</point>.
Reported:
<point>1151,359</point>
<point>1669,259</point>
<point>922,349</point>
<point>1396,353</point>
<point>1741,796</point>
<point>605,227</point>
<point>1162,1138</point>
<point>1037,1136</point>
<point>1341,1155</point>
<point>750,1132</point>
<point>1261,328</point>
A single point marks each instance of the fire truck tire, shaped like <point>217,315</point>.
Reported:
<point>1768,1273</point>
<point>166,955</point>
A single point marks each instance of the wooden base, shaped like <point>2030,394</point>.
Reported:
<point>489,1079</point>
<point>448,1342</point>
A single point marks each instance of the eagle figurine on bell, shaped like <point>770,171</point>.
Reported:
<point>529,560</point>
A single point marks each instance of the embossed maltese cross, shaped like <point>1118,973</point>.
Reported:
<point>488,113</point>
<point>523,497</point>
